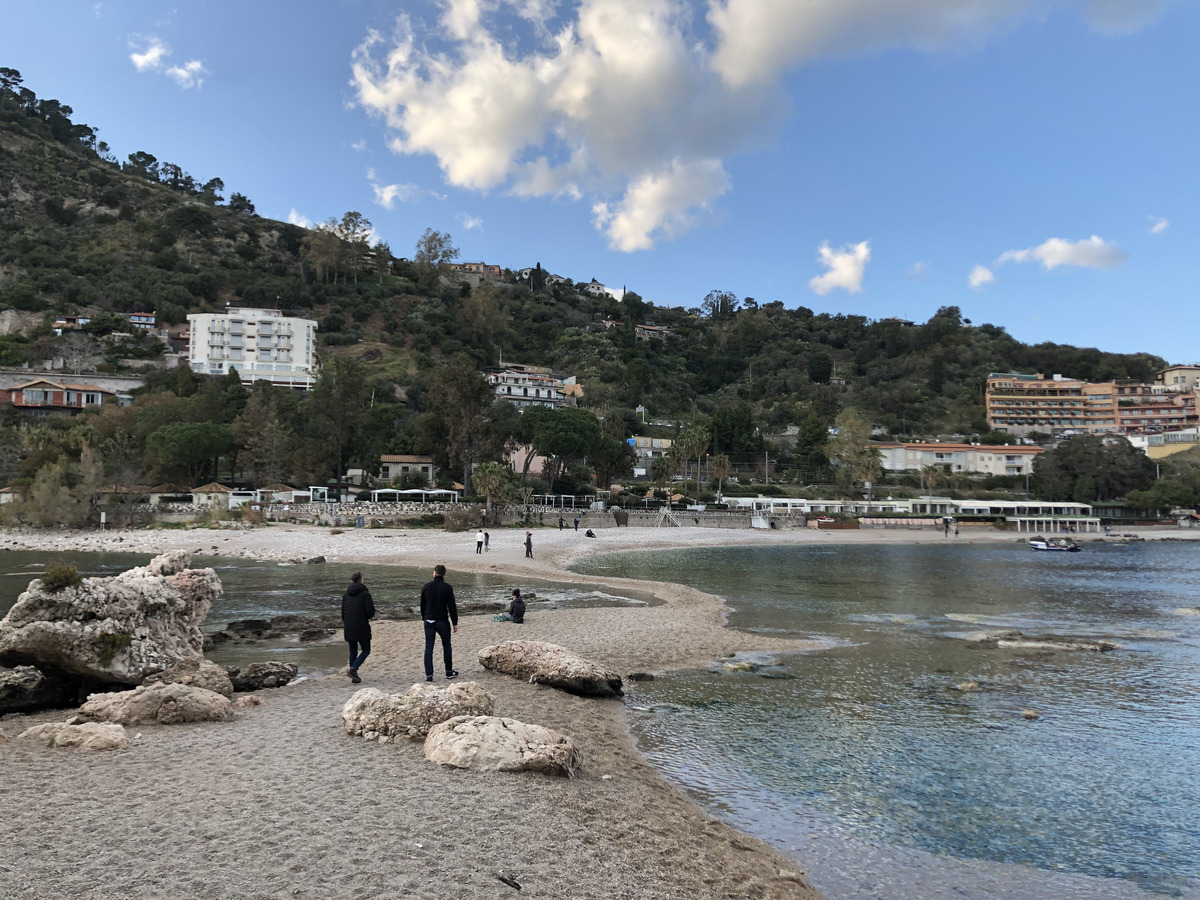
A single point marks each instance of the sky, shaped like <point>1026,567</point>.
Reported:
<point>1035,163</point>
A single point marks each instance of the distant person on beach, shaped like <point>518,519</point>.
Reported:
<point>357,611</point>
<point>440,615</point>
<point>516,609</point>
<point>487,539</point>
<point>479,541</point>
<point>562,523</point>
<point>589,533</point>
<point>577,523</point>
<point>529,545</point>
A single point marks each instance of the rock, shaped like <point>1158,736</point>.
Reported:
<point>1017,640</point>
<point>198,672</point>
<point>116,630</point>
<point>377,716</point>
<point>316,560</point>
<point>742,665</point>
<point>315,634</point>
<point>250,630</point>
<point>3,736</point>
<point>84,736</point>
<point>247,701</point>
<point>262,675</point>
<point>26,689</point>
<point>496,744</point>
<point>543,663</point>
<point>1030,714</point>
<point>968,687</point>
<point>641,676</point>
<point>155,704</point>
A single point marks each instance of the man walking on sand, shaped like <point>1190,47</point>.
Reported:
<point>440,615</point>
<point>479,541</point>
<point>357,611</point>
<point>529,545</point>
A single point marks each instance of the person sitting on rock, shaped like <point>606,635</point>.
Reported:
<point>516,609</point>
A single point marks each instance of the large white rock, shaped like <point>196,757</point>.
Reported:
<point>85,736</point>
<point>497,744</point>
<point>543,663</point>
<point>197,672</point>
<point>377,716</point>
<point>155,704</point>
<point>117,630</point>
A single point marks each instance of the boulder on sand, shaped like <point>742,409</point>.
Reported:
<point>197,672</point>
<point>497,744</point>
<point>155,704</point>
<point>543,663</point>
<point>115,630</point>
<point>26,688</point>
<point>377,716</point>
<point>257,676</point>
<point>86,736</point>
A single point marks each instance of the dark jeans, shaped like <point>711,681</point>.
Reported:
<point>357,656</point>
<point>432,630</point>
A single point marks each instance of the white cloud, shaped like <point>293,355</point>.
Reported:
<point>917,270</point>
<point>1159,225</point>
<point>980,275</point>
<point>1091,253</point>
<point>634,106</point>
<point>387,195</point>
<point>153,58</point>
<point>845,266</point>
<point>360,145</point>
<point>297,219</point>
<point>759,40</point>
<point>470,222</point>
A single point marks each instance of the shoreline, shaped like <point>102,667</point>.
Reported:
<point>619,829</point>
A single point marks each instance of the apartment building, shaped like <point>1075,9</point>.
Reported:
<point>1179,378</point>
<point>55,399</point>
<point>524,386</point>
<point>1146,409</point>
<point>974,459</point>
<point>261,344</point>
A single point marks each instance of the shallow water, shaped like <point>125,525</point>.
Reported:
<point>869,740</point>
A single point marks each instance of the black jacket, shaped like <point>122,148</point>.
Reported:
<point>516,609</point>
<point>357,610</point>
<point>437,602</point>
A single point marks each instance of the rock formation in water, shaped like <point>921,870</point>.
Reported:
<point>377,716</point>
<point>257,676</point>
<point>496,744</point>
<point>113,630</point>
<point>543,663</point>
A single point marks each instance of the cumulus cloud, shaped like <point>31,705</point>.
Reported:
<point>1159,225</point>
<point>634,106</point>
<point>153,58</point>
<point>845,266</point>
<point>299,219</point>
<point>470,222</point>
<point>388,195</point>
<point>980,275</point>
<point>1091,253</point>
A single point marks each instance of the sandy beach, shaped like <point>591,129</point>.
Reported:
<point>281,803</point>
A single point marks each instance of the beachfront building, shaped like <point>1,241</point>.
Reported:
<point>261,344</point>
<point>1019,404</point>
<point>54,399</point>
<point>1179,378</point>
<point>525,386</point>
<point>1143,409</point>
<point>971,459</point>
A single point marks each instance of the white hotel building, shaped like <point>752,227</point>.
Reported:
<point>262,344</point>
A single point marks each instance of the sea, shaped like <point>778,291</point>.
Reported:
<point>907,757</point>
<point>910,757</point>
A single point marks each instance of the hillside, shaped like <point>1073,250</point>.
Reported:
<point>81,232</point>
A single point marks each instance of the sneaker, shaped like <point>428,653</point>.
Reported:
<point>354,676</point>
<point>452,674</point>
<point>429,678</point>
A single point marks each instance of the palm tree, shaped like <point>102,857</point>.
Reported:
<point>661,468</point>
<point>490,478</point>
<point>721,466</point>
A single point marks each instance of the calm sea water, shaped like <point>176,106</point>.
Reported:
<point>869,741</point>
<point>260,589</point>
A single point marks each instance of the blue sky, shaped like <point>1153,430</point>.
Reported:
<point>1033,162</point>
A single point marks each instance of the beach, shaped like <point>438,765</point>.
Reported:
<point>281,803</point>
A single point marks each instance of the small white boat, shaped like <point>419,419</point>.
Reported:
<point>1065,545</point>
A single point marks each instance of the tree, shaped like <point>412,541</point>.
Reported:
<point>457,398</point>
<point>856,461</point>
<point>241,204</point>
<point>720,305</point>
<point>491,478</point>
<point>335,413</point>
<point>661,469</point>
<point>1089,468</point>
<point>563,436</point>
<point>433,249</point>
<point>264,439</point>
<point>721,468</point>
<point>186,450</point>
<point>611,458</point>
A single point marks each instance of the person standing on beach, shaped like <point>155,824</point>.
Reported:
<point>561,523</point>
<point>479,541</point>
<point>529,545</point>
<point>577,523</point>
<point>440,615</point>
<point>357,611</point>
<point>487,539</point>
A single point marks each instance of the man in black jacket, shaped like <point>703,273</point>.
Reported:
<point>440,616</point>
<point>357,611</point>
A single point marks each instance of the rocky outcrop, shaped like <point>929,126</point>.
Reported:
<point>155,704</point>
<point>1017,640</point>
<point>496,744</point>
<point>197,672</point>
<point>377,716</point>
<point>84,736</point>
<point>543,663</point>
<point>257,676</point>
<point>116,630</point>
<point>25,689</point>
